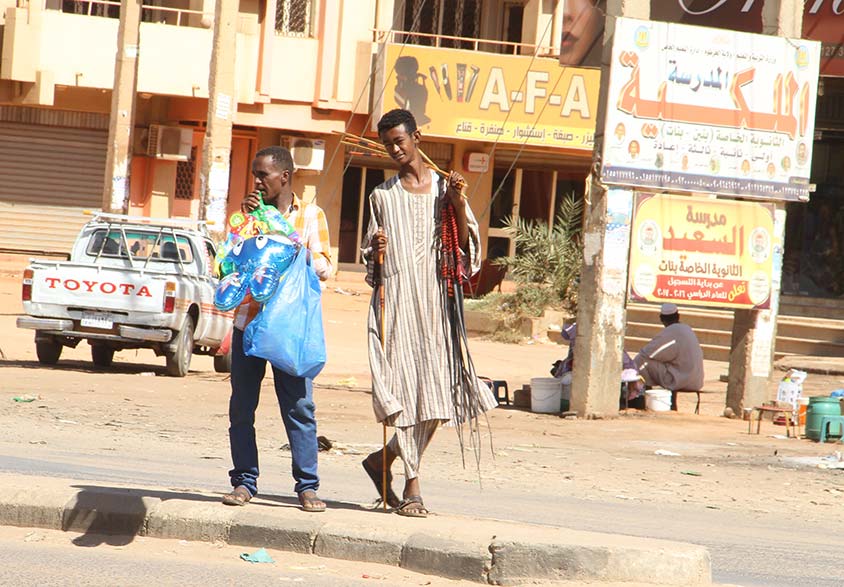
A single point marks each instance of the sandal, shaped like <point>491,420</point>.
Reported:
<point>310,502</point>
<point>239,496</point>
<point>374,474</point>
<point>412,507</point>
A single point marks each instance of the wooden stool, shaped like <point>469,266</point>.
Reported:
<point>788,412</point>
<point>674,393</point>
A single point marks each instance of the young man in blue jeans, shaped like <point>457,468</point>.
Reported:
<point>273,171</point>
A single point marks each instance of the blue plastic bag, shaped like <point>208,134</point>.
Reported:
<point>288,330</point>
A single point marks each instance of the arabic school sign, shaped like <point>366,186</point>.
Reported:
<point>484,96</point>
<point>710,110</point>
<point>702,251</point>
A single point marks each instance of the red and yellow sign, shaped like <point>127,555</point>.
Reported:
<point>488,97</point>
<point>702,251</point>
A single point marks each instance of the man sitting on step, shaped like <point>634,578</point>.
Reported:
<point>673,359</point>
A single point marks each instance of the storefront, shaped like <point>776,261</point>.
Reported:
<point>520,129</point>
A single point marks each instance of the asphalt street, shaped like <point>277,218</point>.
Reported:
<point>754,549</point>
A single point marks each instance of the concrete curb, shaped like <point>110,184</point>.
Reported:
<point>484,551</point>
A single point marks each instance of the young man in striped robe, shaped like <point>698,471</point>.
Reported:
<point>421,373</point>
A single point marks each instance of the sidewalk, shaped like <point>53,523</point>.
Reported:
<point>484,551</point>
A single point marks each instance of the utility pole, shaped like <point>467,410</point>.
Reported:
<point>755,331</point>
<point>121,120</point>
<point>601,296</point>
<point>222,103</point>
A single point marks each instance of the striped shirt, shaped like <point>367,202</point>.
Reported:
<point>309,221</point>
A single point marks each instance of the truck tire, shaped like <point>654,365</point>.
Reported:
<point>48,351</point>
<point>223,363</point>
<point>102,355</point>
<point>178,361</point>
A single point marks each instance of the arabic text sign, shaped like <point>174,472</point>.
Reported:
<point>702,251</point>
<point>710,110</point>
<point>488,97</point>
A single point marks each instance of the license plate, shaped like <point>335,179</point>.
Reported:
<point>97,320</point>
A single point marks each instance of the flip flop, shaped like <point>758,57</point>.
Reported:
<point>310,502</point>
<point>374,474</point>
<point>239,496</point>
<point>406,510</point>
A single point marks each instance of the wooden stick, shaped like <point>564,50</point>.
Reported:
<point>383,350</point>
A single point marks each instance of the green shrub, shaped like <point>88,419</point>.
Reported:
<point>546,266</point>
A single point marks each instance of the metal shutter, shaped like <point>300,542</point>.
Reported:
<point>48,175</point>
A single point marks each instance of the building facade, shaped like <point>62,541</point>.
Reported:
<point>503,90</point>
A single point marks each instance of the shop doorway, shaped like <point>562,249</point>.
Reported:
<point>358,183</point>
<point>530,194</point>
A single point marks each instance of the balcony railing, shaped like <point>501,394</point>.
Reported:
<point>467,43</point>
<point>149,13</point>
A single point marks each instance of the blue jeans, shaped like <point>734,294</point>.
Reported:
<point>295,398</point>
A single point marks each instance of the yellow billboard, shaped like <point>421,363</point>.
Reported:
<point>480,96</point>
<point>702,251</point>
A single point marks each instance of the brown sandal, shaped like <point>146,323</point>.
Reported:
<point>406,507</point>
<point>239,496</point>
<point>310,502</point>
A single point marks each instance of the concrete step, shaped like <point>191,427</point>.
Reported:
<point>806,307</point>
<point>704,335</point>
<point>712,352</point>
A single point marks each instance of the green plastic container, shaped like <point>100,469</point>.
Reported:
<point>819,407</point>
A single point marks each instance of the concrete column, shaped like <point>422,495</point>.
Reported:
<point>222,103</point>
<point>600,307</point>
<point>755,331</point>
<point>121,121</point>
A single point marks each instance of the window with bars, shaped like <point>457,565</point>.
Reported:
<point>185,174</point>
<point>453,18</point>
<point>294,18</point>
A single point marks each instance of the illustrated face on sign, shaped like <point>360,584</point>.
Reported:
<point>802,154</point>
<point>745,167</point>
<point>633,149</point>
<point>583,27</point>
<point>619,132</point>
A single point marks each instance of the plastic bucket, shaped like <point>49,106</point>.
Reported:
<point>818,408</point>
<point>658,400</point>
<point>546,395</point>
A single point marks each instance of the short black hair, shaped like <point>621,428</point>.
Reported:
<point>395,118</point>
<point>281,157</point>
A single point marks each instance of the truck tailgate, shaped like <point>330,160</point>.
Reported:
<point>100,288</point>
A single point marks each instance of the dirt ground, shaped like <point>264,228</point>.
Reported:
<point>132,408</point>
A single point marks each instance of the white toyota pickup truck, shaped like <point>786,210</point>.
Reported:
<point>131,282</point>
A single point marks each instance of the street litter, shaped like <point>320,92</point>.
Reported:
<point>833,461</point>
<point>347,382</point>
<point>692,473</point>
<point>33,537</point>
<point>25,399</point>
<point>323,443</point>
<point>259,556</point>
<point>346,292</point>
<point>666,453</point>
<point>779,436</point>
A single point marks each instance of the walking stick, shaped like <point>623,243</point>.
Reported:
<point>383,424</point>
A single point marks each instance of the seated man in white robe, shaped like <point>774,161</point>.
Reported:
<point>673,359</point>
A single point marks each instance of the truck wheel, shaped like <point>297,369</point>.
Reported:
<point>178,361</point>
<point>223,363</point>
<point>102,355</point>
<point>48,351</point>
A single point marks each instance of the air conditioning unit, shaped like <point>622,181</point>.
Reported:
<point>169,142</point>
<point>307,153</point>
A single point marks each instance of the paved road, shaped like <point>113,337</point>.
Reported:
<point>39,557</point>
<point>752,549</point>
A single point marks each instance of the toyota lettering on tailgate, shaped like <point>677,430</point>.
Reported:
<point>105,287</point>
